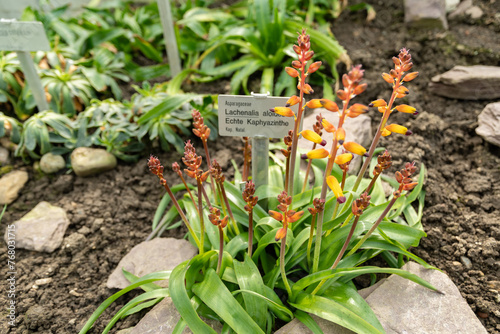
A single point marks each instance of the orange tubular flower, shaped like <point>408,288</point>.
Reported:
<point>404,108</point>
<point>385,132</point>
<point>410,76</point>
<point>293,100</point>
<point>356,109</point>
<point>387,78</point>
<point>314,103</point>
<point>378,103</point>
<point>396,128</point>
<point>292,72</point>
<point>402,92</point>
<point>354,148</point>
<point>335,187</point>
<point>328,126</point>
<point>283,111</point>
<point>329,105</point>
<point>313,136</point>
<point>343,158</point>
<point>340,133</point>
<point>314,67</point>
<point>276,215</point>
<point>318,153</point>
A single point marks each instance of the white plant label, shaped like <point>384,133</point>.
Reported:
<point>23,36</point>
<point>249,116</point>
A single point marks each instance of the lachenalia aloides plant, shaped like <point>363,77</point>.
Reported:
<point>292,248</point>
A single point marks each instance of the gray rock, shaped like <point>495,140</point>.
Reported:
<point>489,123</point>
<point>51,163</point>
<point>357,129</point>
<point>90,161</point>
<point>150,256</point>
<point>426,14</point>
<point>42,229</point>
<point>125,331</point>
<point>461,8</point>
<point>474,12</point>
<point>10,185</point>
<point>4,156</point>
<point>468,83</point>
<point>296,327</point>
<point>403,306</point>
<point>163,318</point>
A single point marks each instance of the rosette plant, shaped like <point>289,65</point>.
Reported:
<point>262,263</point>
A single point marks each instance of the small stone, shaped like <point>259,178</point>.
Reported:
<point>51,163</point>
<point>457,266</point>
<point>4,156</point>
<point>482,315</point>
<point>461,8</point>
<point>427,14</point>
<point>42,229</point>
<point>74,293</point>
<point>399,299</point>
<point>151,256</point>
<point>474,12</point>
<point>489,123</point>
<point>163,318</point>
<point>10,185</point>
<point>84,230</point>
<point>43,281</point>
<point>74,242</point>
<point>476,82</point>
<point>494,285</point>
<point>90,161</point>
<point>466,262</point>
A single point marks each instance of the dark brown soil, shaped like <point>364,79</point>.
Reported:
<point>113,211</point>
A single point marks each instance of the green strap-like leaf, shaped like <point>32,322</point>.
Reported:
<point>335,312</point>
<point>216,296</point>
<point>182,301</point>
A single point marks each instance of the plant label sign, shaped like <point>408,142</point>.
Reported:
<point>23,36</point>
<point>249,116</point>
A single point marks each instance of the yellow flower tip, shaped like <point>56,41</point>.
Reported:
<point>318,153</point>
<point>280,234</point>
<point>314,103</point>
<point>378,103</point>
<point>340,134</point>
<point>314,67</point>
<point>382,109</point>
<point>396,128</point>
<point>404,108</point>
<point>341,199</point>
<point>385,132</point>
<point>343,158</point>
<point>387,78</point>
<point>334,185</point>
<point>354,148</point>
<point>293,100</point>
<point>292,72</point>
<point>313,137</point>
<point>410,76</point>
<point>329,105</point>
<point>295,216</point>
<point>283,111</point>
<point>328,126</point>
<point>402,91</point>
<point>276,215</point>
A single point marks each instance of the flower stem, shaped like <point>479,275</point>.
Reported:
<point>309,244</point>
<point>250,233</point>
<point>224,196</point>
<point>221,249</point>
<point>209,163</point>
<point>342,251</point>
<point>306,179</point>
<point>200,211</point>
<point>183,216</point>
<point>282,266</point>
<point>374,227</point>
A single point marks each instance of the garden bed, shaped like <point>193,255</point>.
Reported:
<point>113,211</point>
